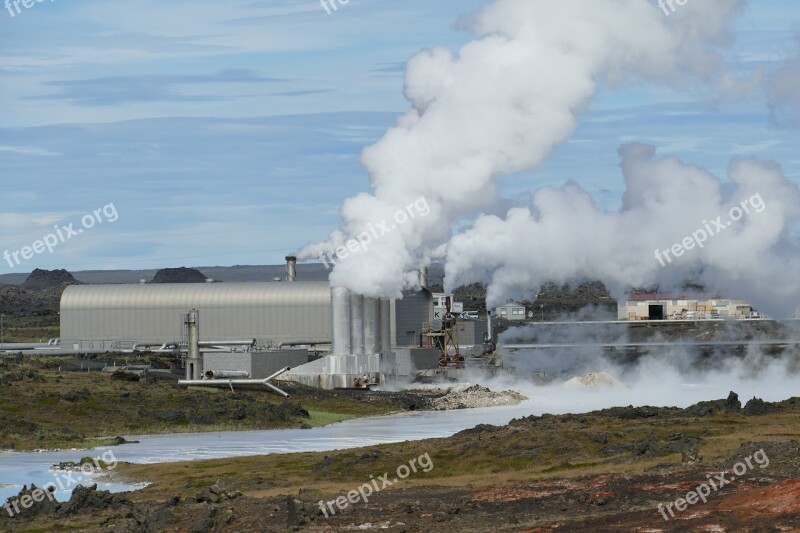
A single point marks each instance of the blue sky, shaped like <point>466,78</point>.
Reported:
<point>229,133</point>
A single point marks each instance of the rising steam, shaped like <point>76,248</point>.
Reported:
<point>502,103</point>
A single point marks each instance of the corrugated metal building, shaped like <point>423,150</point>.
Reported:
<point>410,315</point>
<point>110,317</point>
<point>115,316</point>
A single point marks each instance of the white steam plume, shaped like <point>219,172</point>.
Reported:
<point>500,105</point>
<point>565,236</point>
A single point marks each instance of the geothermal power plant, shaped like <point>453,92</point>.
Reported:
<point>328,336</point>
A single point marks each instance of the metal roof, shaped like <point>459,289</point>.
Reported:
<point>199,295</point>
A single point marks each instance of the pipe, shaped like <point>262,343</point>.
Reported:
<point>356,324</point>
<point>340,318</point>
<point>228,343</point>
<point>194,365</point>
<point>232,382</point>
<point>302,343</point>
<point>211,374</point>
<point>488,325</point>
<point>291,268</point>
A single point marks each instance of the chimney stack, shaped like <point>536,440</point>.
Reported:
<point>291,268</point>
<point>423,277</point>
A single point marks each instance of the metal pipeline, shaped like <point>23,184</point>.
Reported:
<point>211,374</point>
<point>232,382</point>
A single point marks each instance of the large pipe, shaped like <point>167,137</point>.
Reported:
<point>357,324</point>
<point>488,325</point>
<point>386,326</point>
<point>232,382</point>
<point>194,364</point>
<point>291,268</point>
<point>340,318</point>
<point>227,343</point>
<point>372,311</point>
<point>219,374</point>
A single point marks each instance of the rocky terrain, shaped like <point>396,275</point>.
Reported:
<point>610,470</point>
<point>179,275</point>
<point>467,396</point>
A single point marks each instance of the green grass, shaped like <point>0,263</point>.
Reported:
<point>34,413</point>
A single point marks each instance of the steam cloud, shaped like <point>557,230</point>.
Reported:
<point>503,102</point>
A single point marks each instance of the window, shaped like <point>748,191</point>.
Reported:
<point>518,311</point>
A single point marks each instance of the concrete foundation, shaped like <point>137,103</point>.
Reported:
<point>337,371</point>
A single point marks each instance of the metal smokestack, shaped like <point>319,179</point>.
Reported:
<point>357,324</point>
<point>291,268</point>
<point>423,277</point>
<point>386,326</point>
<point>372,333</point>
<point>194,363</point>
<point>340,316</point>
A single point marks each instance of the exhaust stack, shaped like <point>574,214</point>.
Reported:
<point>194,363</point>
<point>291,268</point>
<point>423,277</point>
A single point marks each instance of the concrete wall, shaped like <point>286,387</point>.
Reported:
<point>470,332</point>
<point>410,314</point>
<point>259,364</point>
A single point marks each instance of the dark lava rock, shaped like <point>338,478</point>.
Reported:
<point>630,412</point>
<point>170,415</point>
<point>729,405</point>
<point>121,440</point>
<point>89,499</point>
<point>179,275</point>
<point>124,376</point>
<point>40,280</point>
<point>757,406</point>
<point>238,414</point>
<point>47,505</point>
<point>74,396</point>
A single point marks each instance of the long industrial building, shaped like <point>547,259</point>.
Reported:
<point>275,314</point>
<point>361,334</point>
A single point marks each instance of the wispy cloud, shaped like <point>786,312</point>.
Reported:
<point>28,151</point>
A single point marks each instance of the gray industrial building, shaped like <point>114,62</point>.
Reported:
<point>120,316</point>
<point>263,318</point>
<point>275,314</point>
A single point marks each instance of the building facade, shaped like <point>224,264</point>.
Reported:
<point>510,311</point>
<point>653,306</point>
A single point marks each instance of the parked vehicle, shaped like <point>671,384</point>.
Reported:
<point>470,315</point>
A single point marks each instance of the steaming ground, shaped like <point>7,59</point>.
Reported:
<point>672,379</point>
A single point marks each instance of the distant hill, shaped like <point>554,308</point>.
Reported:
<point>305,272</point>
<point>179,275</point>
<point>40,280</point>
